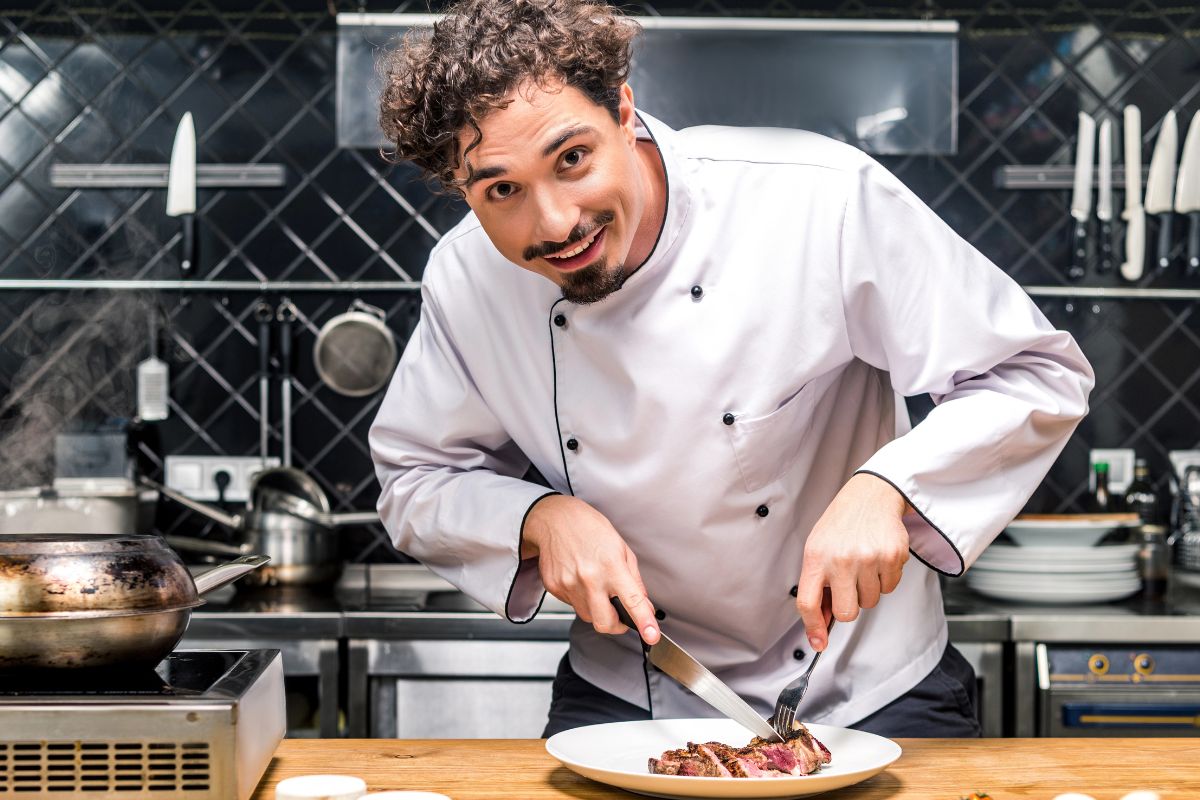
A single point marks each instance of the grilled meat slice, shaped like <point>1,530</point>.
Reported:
<point>800,754</point>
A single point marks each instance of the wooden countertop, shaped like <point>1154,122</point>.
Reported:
<point>929,769</point>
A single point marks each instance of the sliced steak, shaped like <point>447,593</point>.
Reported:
<point>800,754</point>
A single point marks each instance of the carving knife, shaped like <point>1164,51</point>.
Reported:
<point>680,665</point>
<point>181,189</point>
<point>1104,198</point>
<point>1160,186</point>
<point>1134,215</point>
<point>1081,198</point>
<point>1187,194</point>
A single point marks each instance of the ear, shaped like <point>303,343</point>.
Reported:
<point>627,117</point>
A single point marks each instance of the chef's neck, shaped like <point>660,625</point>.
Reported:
<point>654,189</point>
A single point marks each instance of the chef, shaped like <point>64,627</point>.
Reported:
<point>670,366</point>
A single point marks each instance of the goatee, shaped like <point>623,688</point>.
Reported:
<point>593,283</point>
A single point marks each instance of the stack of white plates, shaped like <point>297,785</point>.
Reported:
<point>1056,575</point>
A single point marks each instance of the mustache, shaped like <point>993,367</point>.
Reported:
<point>578,234</point>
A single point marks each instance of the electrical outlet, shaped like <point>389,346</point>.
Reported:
<point>1120,468</point>
<point>196,476</point>
<point>1181,460</point>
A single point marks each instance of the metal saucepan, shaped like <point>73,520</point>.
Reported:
<point>288,518</point>
<point>94,601</point>
<point>78,505</point>
<point>355,353</point>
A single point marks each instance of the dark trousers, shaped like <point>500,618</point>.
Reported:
<point>942,705</point>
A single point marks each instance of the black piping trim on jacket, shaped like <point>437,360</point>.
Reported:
<point>666,191</point>
<point>962,566</point>
<point>554,368</point>
<point>646,675</point>
<point>513,585</point>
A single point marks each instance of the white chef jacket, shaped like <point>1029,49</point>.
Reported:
<point>797,286</point>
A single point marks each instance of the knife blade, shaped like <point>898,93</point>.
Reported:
<point>1134,215</point>
<point>1160,186</point>
<point>1104,199</point>
<point>181,188</point>
<point>1081,197</point>
<point>683,667</point>
<point>1187,193</point>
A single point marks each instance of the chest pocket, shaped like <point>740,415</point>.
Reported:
<point>766,446</point>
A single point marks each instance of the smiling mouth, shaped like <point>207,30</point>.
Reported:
<point>579,254</point>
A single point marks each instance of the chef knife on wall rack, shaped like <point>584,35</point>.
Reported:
<point>1104,197</point>
<point>1160,187</point>
<point>1081,197</point>
<point>181,190</point>
<point>1134,215</point>
<point>1187,195</point>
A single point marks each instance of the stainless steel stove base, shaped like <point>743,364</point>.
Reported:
<point>216,744</point>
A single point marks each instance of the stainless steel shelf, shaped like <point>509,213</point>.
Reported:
<point>259,287</point>
<point>1035,176</point>
<point>154,176</point>
<point>1113,293</point>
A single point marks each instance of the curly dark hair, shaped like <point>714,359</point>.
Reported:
<point>435,85</point>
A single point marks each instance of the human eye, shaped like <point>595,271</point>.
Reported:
<point>501,191</point>
<point>574,157</point>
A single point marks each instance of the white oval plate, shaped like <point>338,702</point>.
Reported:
<point>617,753</point>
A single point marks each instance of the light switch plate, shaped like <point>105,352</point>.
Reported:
<point>1120,468</point>
<point>195,475</point>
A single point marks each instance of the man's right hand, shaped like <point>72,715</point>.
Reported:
<point>583,561</point>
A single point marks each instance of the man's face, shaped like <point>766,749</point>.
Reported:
<point>557,185</point>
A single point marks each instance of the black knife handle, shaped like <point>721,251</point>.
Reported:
<point>188,251</point>
<point>1193,247</point>
<point>1106,246</point>
<point>1164,241</point>
<point>1078,266</point>
<point>627,620</point>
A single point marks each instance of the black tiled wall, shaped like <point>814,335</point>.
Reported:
<point>108,83</point>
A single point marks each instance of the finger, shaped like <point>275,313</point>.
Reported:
<point>633,596</point>
<point>845,597</point>
<point>888,581</point>
<point>868,589</point>
<point>809,594</point>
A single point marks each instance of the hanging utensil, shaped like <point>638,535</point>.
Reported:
<point>152,380</point>
<point>1081,197</point>
<point>1160,186</point>
<point>1104,197</point>
<point>1187,194</point>
<point>1134,215</point>
<point>264,314</point>
<point>355,353</point>
<point>181,190</point>
<point>286,316</point>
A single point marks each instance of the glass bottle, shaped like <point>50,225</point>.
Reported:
<point>1154,561</point>
<point>1140,497</point>
<point>1102,501</point>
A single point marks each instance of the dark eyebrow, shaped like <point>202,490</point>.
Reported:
<point>562,138</point>
<point>476,176</point>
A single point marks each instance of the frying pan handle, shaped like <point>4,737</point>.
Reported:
<point>228,573</point>
<point>233,522</point>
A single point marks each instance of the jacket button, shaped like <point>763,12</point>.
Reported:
<point>560,320</point>
<point>572,443</point>
<point>798,654</point>
<point>795,590</point>
<point>697,292</point>
<point>659,614</point>
<point>762,511</point>
<point>728,418</point>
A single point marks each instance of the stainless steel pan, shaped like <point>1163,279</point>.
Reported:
<point>80,601</point>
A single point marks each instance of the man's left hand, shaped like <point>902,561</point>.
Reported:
<point>857,548</point>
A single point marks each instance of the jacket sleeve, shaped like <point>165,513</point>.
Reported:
<point>452,494</point>
<point>1009,389</point>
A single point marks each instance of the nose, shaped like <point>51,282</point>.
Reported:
<point>557,216</point>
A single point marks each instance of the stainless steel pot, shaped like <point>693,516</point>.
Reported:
<point>78,505</point>
<point>297,534</point>
<point>83,601</point>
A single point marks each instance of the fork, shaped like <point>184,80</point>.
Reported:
<point>793,693</point>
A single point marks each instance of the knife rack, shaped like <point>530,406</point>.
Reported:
<point>1034,176</point>
<point>154,176</point>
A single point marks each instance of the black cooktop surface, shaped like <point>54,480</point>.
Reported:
<point>181,674</point>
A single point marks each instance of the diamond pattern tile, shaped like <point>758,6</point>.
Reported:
<point>109,82</point>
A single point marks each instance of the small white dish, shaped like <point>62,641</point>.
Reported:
<point>321,787</point>
<point>1065,532</point>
